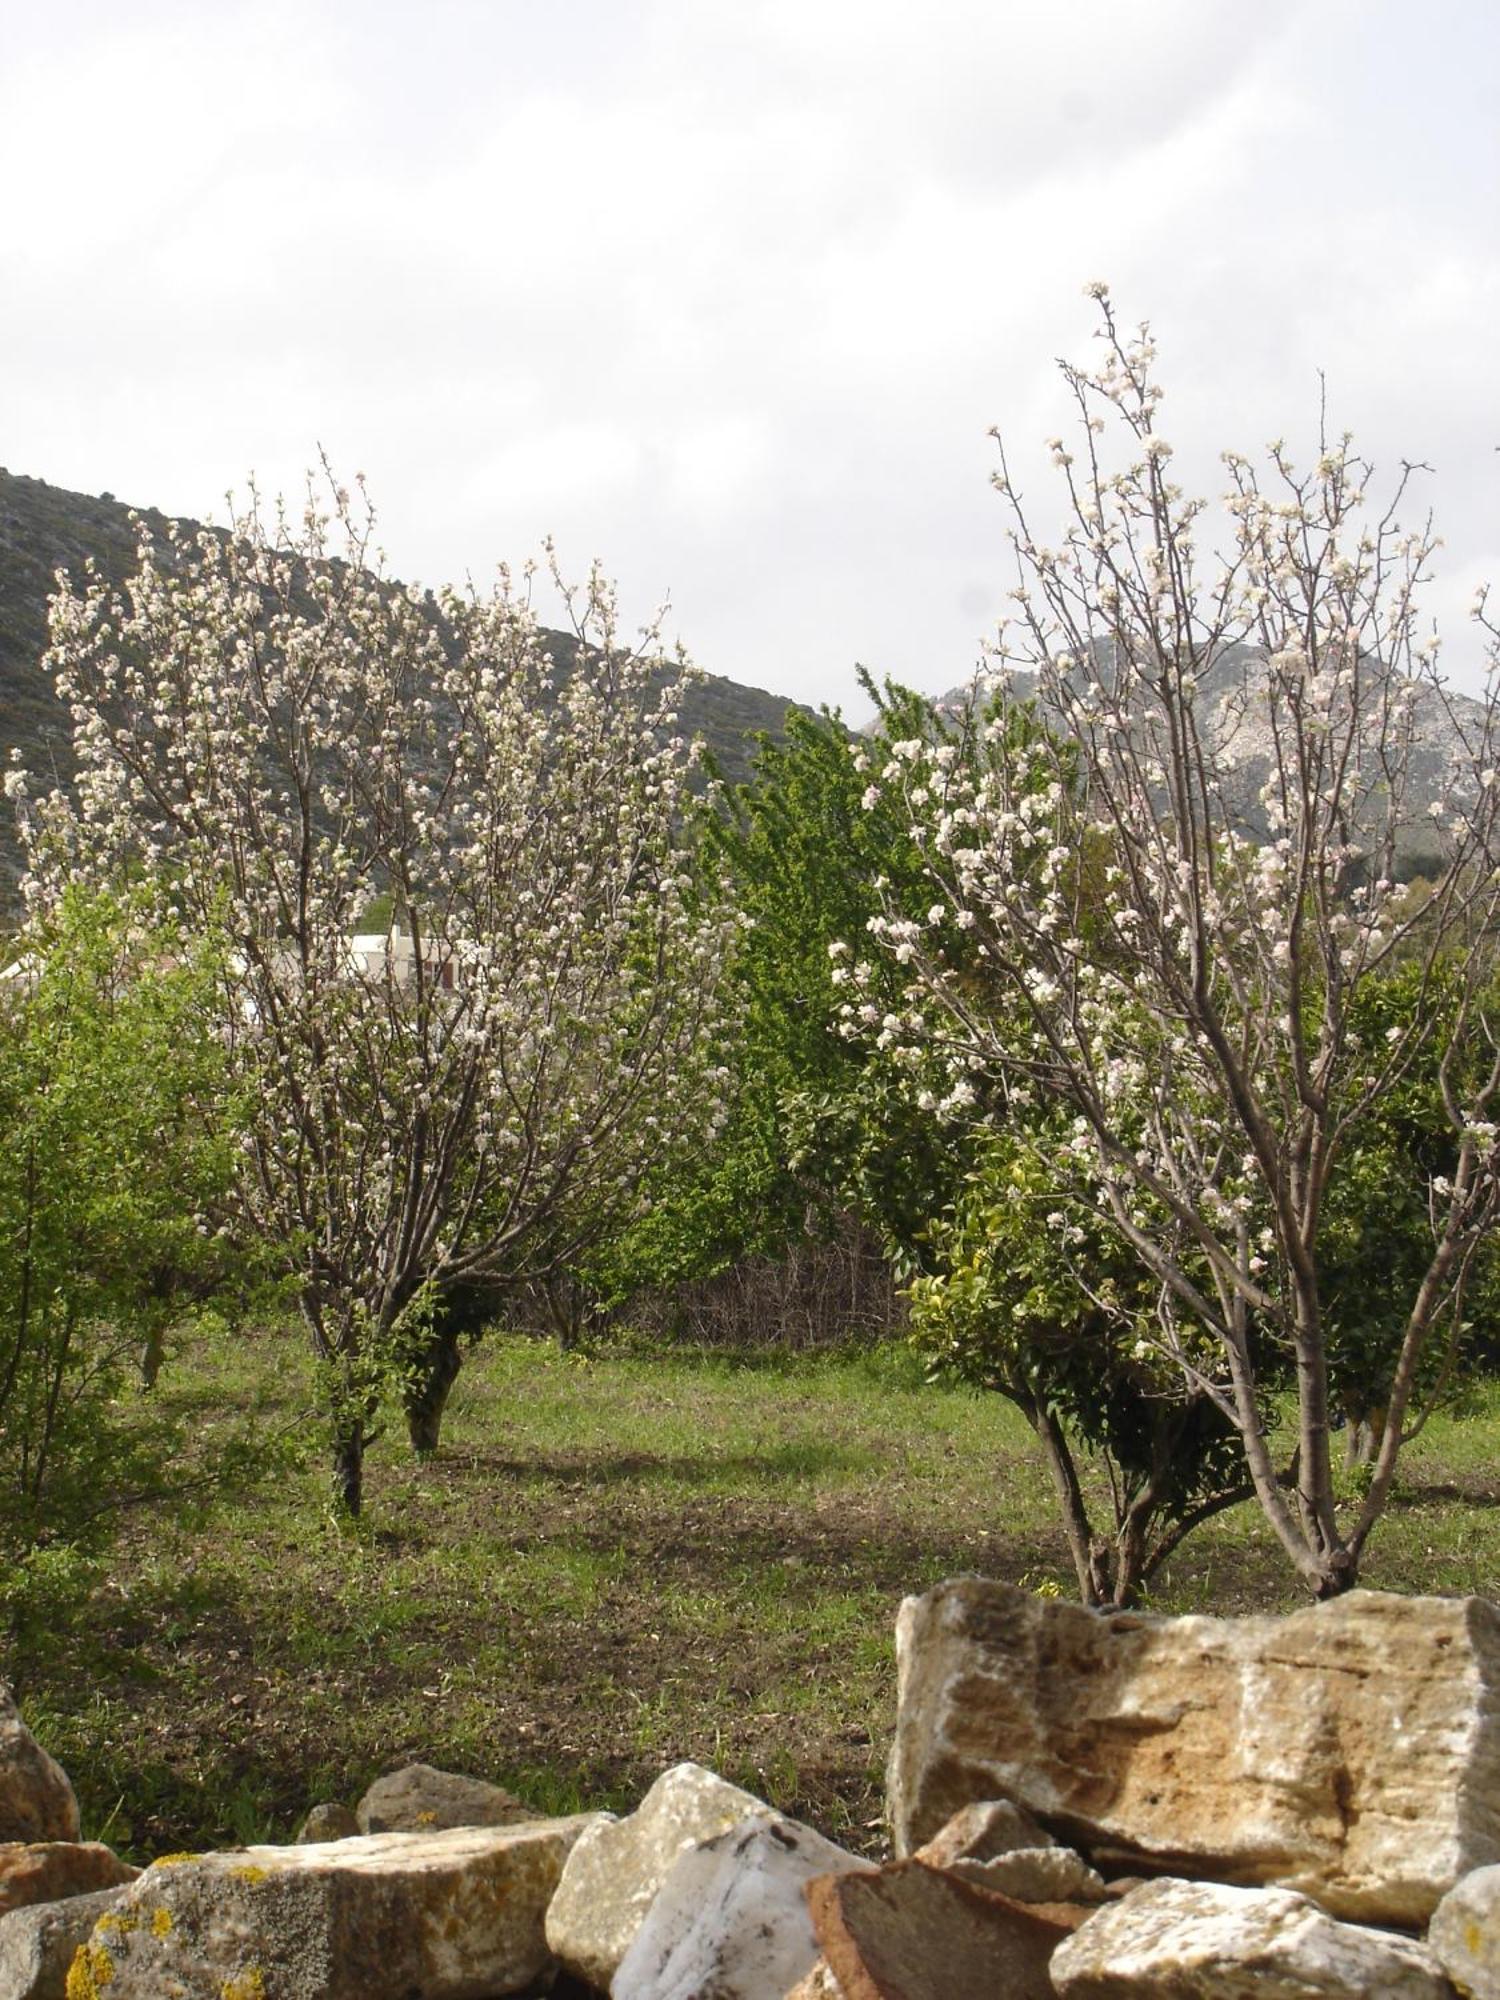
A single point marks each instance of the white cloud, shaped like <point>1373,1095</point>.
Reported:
<point>732,295</point>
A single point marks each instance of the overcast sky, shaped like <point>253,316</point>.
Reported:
<point>730,294</point>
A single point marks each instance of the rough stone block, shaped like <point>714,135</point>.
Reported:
<point>1465,1934</point>
<point>981,1831</point>
<point>1351,1750</point>
<point>37,1944</point>
<point>1203,1941</point>
<point>617,1866</point>
<point>730,1920</point>
<point>36,1799</point>
<point>419,1799</point>
<point>46,1871</point>
<point>910,1932</point>
<point>453,1915</point>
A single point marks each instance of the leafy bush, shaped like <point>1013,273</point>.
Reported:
<point>118,1148</point>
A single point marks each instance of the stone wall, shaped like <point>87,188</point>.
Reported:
<point>1081,1804</point>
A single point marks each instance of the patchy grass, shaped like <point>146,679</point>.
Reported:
<point>618,1560</point>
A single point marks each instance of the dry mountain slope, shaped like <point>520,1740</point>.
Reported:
<point>46,528</point>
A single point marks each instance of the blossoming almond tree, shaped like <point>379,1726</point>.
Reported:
<point>1181,889</point>
<point>285,740</point>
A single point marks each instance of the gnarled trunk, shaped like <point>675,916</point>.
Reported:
<point>1100,1580</point>
<point>349,1469</point>
<point>1151,1517</point>
<point>569,1308</point>
<point>428,1383</point>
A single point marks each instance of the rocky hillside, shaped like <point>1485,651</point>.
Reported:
<point>45,528</point>
<point>1234,715</point>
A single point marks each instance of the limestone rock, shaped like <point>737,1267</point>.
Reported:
<point>36,1800</point>
<point>730,1919</point>
<point>910,1932</point>
<point>419,1799</point>
<point>37,1944</point>
<point>1203,1941</point>
<point>327,1822</point>
<point>1351,1750</point>
<point>617,1866</point>
<point>980,1831</point>
<point>45,1871</point>
<point>1465,1934</point>
<point>1037,1875</point>
<point>452,1915</point>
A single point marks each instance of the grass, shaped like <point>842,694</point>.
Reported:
<point>618,1560</point>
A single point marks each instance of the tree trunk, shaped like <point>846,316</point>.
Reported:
<point>1090,1552</point>
<point>1130,1555</point>
<point>349,1469</point>
<point>153,1353</point>
<point>1362,1437</point>
<point>1340,1572</point>
<point>425,1396</point>
<point>568,1309</point>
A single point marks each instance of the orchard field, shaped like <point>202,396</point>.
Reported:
<point>620,1558</point>
<point>1124,1034</point>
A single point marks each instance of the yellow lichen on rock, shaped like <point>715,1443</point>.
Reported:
<point>459,1910</point>
<point>247,1985</point>
<point>91,1971</point>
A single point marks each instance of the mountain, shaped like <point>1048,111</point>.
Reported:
<point>1234,718</point>
<point>46,528</point>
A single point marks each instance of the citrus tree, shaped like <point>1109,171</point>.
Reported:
<point>823,1150</point>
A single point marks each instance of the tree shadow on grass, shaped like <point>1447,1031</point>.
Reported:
<point>1442,1493</point>
<point>796,1459</point>
<point>219,1700</point>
